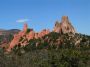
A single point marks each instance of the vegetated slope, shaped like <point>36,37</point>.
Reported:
<point>57,41</point>
<point>52,50</point>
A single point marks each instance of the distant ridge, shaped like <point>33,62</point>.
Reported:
<point>7,32</point>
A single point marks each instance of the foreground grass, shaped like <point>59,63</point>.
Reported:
<point>47,58</point>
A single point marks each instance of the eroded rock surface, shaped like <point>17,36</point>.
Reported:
<point>24,36</point>
<point>64,26</point>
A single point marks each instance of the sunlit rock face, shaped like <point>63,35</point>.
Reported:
<point>64,26</point>
<point>43,33</point>
<point>30,35</point>
<point>23,37</point>
<point>17,37</point>
<point>25,27</point>
<point>14,42</point>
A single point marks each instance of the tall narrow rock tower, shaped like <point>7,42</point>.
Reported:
<point>25,27</point>
<point>64,27</point>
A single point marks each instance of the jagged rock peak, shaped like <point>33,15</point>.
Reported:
<point>64,27</point>
<point>25,35</point>
<point>25,27</point>
<point>64,18</point>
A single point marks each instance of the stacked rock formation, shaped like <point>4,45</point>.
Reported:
<point>64,27</point>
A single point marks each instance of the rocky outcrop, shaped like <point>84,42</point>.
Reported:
<point>17,37</point>
<point>43,33</point>
<point>24,36</point>
<point>64,26</point>
<point>6,36</point>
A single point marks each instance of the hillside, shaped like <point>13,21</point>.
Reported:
<point>50,53</point>
<point>61,47</point>
<point>6,36</point>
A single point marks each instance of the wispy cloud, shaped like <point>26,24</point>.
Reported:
<point>22,20</point>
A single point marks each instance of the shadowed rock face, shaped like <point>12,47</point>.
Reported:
<point>64,27</point>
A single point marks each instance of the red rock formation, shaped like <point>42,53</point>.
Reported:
<point>64,27</point>
<point>17,37</point>
<point>14,42</point>
<point>25,27</point>
<point>57,27</point>
<point>43,33</point>
<point>26,37</point>
<point>30,35</point>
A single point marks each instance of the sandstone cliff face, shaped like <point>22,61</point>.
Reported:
<point>64,26</point>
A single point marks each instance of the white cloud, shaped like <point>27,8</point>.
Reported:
<point>22,20</point>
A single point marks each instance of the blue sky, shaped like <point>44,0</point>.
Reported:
<point>41,14</point>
